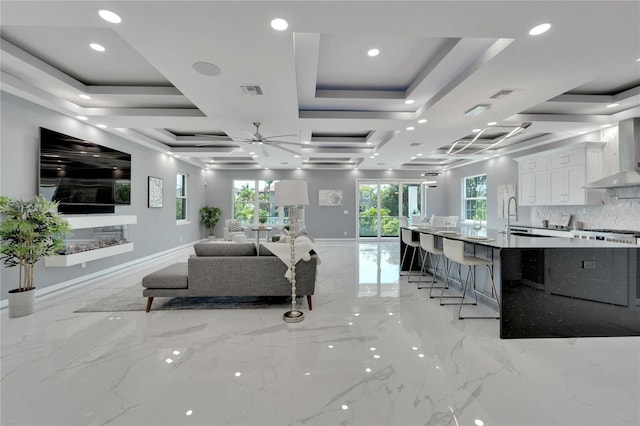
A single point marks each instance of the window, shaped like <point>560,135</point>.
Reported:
<point>254,201</point>
<point>181,196</point>
<point>475,198</point>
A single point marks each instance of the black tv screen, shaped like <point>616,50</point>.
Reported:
<point>81,176</point>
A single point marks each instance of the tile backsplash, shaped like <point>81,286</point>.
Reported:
<point>620,208</point>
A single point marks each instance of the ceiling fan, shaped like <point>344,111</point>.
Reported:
<point>258,139</point>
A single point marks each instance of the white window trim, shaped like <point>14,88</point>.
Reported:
<point>184,221</point>
<point>463,209</point>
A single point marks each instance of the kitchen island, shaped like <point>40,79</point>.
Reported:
<point>554,287</point>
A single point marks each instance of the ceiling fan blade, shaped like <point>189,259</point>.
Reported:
<point>240,148</point>
<point>275,145</point>
<point>284,142</point>
<point>280,136</point>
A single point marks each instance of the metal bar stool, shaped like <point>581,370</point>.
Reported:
<point>427,243</point>
<point>454,250</point>
<point>407,239</point>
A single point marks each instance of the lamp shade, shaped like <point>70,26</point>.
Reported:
<point>291,193</point>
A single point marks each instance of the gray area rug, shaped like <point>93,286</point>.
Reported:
<point>130,299</point>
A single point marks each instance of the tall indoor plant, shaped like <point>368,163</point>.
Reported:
<point>30,230</point>
<point>209,216</point>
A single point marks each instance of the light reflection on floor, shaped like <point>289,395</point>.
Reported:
<point>378,269</point>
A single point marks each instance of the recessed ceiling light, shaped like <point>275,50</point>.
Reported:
<point>97,47</point>
<point>368,143</point>
<point>413,158</point>
<point>109,16</point>
<point>638,60</point>
<point>539,29</point>
<point>296,156</point>
<point>279,24</point>
<point>604,126</point>
<point>82,117</point>
<point>422,121</point>
<point>376,153</point>
<point>492,123</point>
<point>476,130</point>
<point>306,142</point>
<point>372,156</point>
<point>373,52</point>
<point>102,126</point>
<point>83,96</point>
<point>410,128</point>
<point>612,105</point>
<point>419,155</point>
<point>409,101</point>
<point>582,132</point>
<point>206,68</point>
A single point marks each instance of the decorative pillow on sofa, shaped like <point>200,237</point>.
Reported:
<point>224,249</point>
<point>235,226</point>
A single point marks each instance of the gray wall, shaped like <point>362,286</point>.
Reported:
<point>499,171</point>
<point>322,222</point>
<point>156,230</point>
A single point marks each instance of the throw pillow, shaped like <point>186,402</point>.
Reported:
<point>235,226</point>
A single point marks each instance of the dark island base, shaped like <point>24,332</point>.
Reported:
<point>559,297</point>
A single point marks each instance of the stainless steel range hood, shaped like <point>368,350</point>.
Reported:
<point>628,156</point>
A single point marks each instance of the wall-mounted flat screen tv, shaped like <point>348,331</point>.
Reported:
<point>81,176</point>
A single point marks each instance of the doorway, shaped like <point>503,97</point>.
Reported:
<point>380,203</point>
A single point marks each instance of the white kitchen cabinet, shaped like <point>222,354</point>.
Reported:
<point>562,181</point>
<point>533,181</point>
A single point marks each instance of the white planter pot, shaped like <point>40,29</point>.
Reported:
<point>21,303</point>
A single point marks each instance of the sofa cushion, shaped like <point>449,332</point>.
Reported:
<point>265,251</point>
<point>174,276</point>
<point>225,249</point>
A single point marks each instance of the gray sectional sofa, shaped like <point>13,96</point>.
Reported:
<point>230,269</point>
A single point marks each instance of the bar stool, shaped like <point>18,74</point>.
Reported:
<point>454,250</point>
<point>427,243</point>
<point>407,239</point>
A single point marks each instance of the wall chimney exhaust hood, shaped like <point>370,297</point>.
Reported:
<point>628,156</point>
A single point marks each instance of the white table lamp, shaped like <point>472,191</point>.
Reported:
<point>292,193</point>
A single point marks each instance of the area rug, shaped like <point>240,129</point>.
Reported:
<point>130,299</point>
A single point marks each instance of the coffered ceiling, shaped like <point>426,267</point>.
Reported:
<point>191,78</point>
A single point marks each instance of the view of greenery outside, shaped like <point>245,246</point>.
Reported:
<point>475,197</point>
<point>388,210</point>
<point>181,196</point>
<point>244,201</point>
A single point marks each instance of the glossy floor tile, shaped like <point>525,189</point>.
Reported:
<point>375,350</point>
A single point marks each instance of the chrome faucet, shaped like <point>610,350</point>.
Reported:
<point>515,202</point>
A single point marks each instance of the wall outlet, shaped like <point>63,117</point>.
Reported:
<point>83,265</point>
<point>346,212</point>
<point>588,264</point>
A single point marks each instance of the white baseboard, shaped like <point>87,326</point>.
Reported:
<point>109,273</point>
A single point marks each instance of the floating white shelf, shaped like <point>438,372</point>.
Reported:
<point>93,221</point>
<point>86,256</point>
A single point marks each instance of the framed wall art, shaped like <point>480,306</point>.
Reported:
<point>155,192</point>
<point>330,197</point>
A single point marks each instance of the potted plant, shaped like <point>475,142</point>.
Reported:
<point>209,216</point>
<point>30,230</point>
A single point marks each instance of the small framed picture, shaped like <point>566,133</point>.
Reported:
<point>155,192</point>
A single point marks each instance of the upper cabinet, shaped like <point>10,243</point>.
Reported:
<point>558,176</point>
<point>533,181</point>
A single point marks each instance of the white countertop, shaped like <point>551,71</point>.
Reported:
<point>497,239</point>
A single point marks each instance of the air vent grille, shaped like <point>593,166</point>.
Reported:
<point>501,94</point>
<point>249,90</point>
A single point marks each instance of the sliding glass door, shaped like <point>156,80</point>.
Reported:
<point>379,204</point>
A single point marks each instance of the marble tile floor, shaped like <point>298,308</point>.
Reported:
<point>374,351</point>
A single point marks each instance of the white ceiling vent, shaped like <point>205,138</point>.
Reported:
<point>248,90</point>
<point>501,94</point>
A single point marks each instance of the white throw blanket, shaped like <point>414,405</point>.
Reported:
<point>303,248</point>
